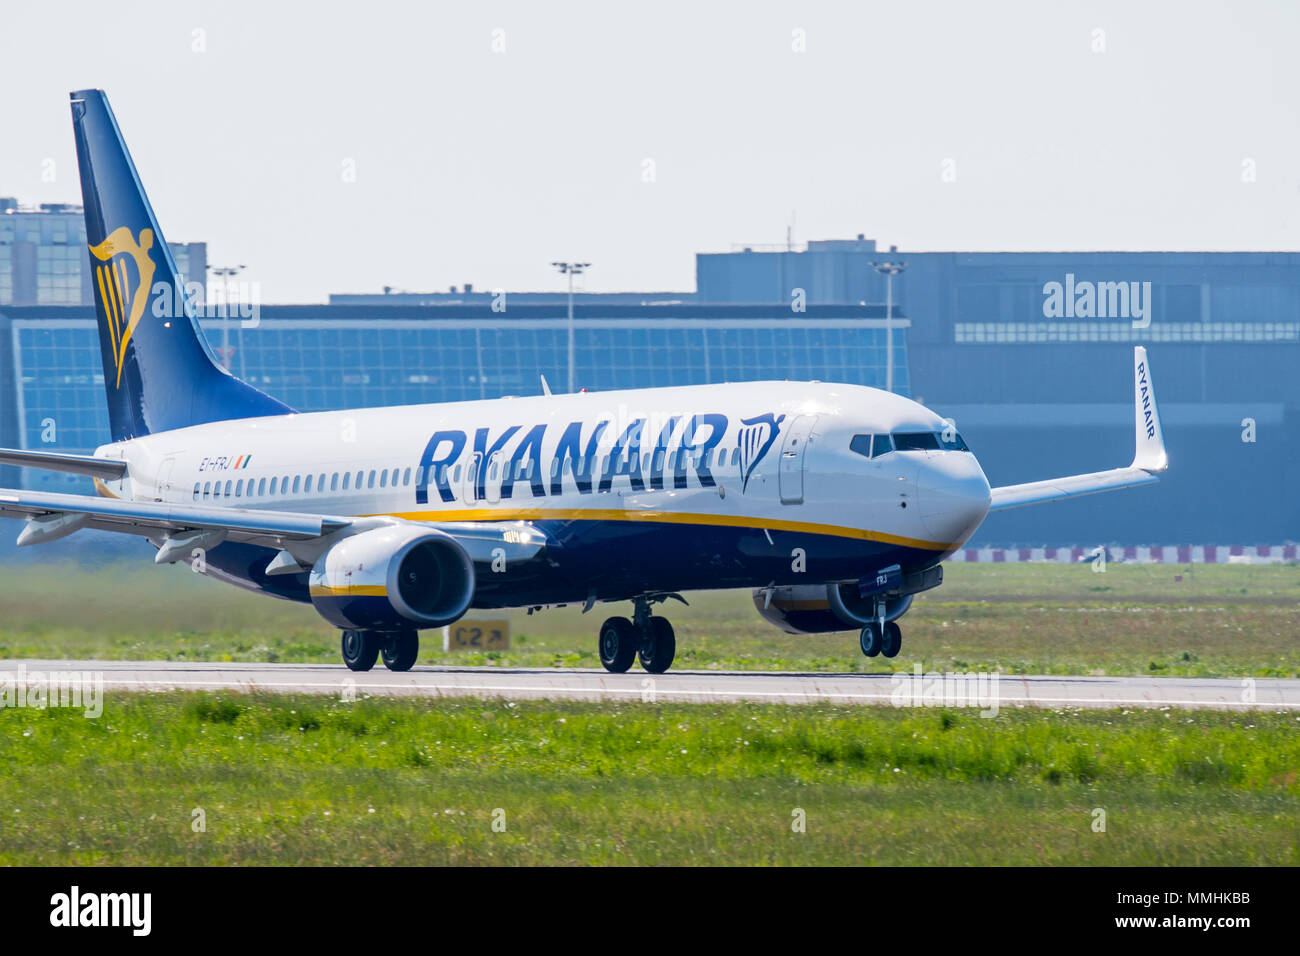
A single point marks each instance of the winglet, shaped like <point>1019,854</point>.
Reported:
<point>1149,454</point>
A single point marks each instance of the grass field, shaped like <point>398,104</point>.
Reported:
<point>289,780</point>
<point>283,780</point>
<point>1206,620</point>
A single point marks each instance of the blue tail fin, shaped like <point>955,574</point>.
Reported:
<point>158,370</point>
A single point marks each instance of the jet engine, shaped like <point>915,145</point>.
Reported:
<point>393,578</point>
<point>820,608</point>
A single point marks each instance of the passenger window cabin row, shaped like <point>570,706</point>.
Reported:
<point>279,486</point>
<point>288,485</point>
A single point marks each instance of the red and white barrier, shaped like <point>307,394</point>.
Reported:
<point>1135,554</point>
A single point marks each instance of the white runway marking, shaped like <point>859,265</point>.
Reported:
<point>676,686</point>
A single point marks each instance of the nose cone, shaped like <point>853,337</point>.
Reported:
<point>953,495</point>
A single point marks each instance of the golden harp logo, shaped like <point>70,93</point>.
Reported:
<point>123,294</point>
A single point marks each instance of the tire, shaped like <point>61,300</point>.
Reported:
<point>401,651</point>
<point>617,645</point>
<point>870,640</point>
<point>360,650</point>
<point>662,647</point>
<point>892,641</point>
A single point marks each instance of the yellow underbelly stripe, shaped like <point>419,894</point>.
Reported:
<point>665,517</point>
<point>356,590</point>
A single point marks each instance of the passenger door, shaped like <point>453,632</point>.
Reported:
<point>793,448</point>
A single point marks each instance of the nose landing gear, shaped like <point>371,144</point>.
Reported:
<point>649,638</point>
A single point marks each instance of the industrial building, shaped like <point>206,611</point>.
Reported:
<point>1029,352</point>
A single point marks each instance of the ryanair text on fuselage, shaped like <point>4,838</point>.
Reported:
<point>696,437</point>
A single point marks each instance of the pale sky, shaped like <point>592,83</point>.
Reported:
<point>473,165</point>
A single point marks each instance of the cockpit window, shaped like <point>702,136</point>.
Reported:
<point>916,441</point>
<point>947,440</point>
<point>871,446</point>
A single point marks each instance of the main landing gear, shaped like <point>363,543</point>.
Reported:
<point>647,637</point>
<point>877,638</point>
<point>362,648</point>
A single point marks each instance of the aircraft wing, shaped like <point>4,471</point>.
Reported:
<point>1149,457</point>
<point>156,519</point>
<point>300,536</point>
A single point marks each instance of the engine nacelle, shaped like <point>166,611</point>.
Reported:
<point>392,578</point>
<point>819,608</point>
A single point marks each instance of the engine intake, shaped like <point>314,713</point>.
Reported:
<point>393,578</point>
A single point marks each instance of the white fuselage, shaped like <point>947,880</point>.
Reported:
<point>698,457</point>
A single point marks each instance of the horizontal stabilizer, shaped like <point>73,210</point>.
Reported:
<point>106,469</point>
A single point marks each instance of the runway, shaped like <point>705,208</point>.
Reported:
<point>903,688</point>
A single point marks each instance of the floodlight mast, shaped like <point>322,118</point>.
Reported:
<point>571,269</point>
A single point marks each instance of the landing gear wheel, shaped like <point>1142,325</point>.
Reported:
<point>618,640</point>
<point>870,640</point>
<point>401,651</point>
<point>360,650</point>
<point>657,653</point>
<point>893,640</point>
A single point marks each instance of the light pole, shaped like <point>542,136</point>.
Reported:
<point>889,270</point>
<point>225,273</point>
<point>571,269</point>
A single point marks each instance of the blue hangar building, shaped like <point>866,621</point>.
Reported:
<point>1029,352</point>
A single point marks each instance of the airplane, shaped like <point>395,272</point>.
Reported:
<point>834,504</point>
